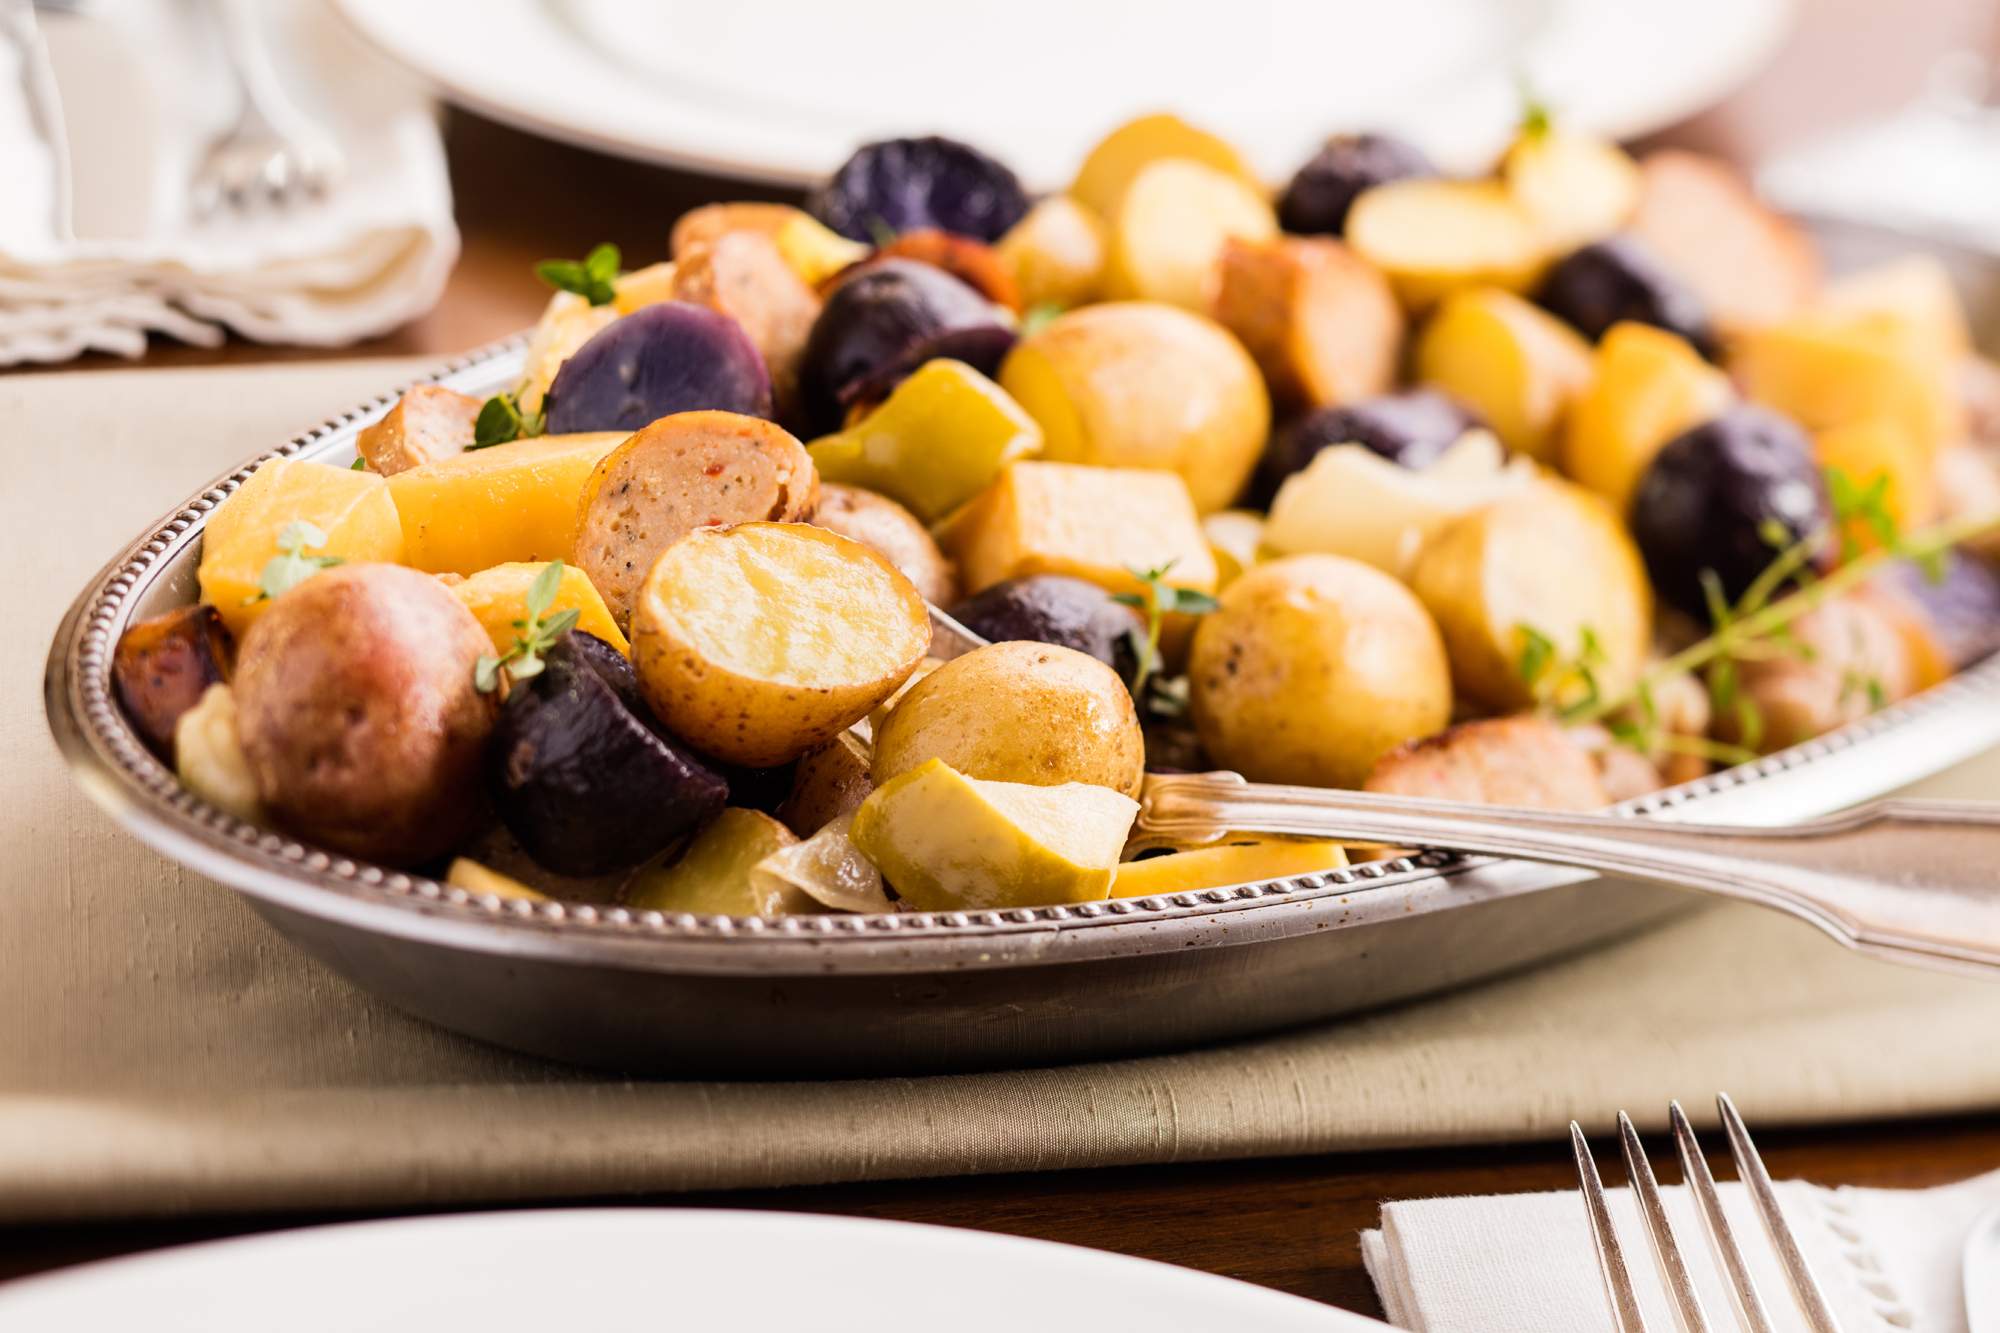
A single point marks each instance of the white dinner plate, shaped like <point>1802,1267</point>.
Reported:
<point>783,90</point>
<point>683,1269</point>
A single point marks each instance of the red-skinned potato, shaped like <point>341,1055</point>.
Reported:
<point>359,716</point>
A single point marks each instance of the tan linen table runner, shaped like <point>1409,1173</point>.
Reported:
<point>162,1051</point>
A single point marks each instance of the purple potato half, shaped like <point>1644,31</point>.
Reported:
<point>899,185</point>
<point>665,358</point>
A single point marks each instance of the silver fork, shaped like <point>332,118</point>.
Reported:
<point>1692,1318</point>
<point>274,156</point>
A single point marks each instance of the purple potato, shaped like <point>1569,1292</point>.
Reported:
<point>1412,428</point>
<point>903,184</point>
<point>1961,610</point>
<point>1053,608</point>
<point>665,358</point>
<point>1317,200</point>
<point>1621,280</point>
<point>1711,496</point>
<point>581,774</point>
<point>881,324</point>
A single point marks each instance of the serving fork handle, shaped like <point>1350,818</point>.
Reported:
<point>1915,881</point>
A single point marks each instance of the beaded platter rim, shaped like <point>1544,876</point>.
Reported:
<point>123,775</point>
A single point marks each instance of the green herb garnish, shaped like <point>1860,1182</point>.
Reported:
<point>539,633</point>
<point>593,278</point>
<point>1160,600</point>
<point>1039,317</point>
<point>292,566</point>
<point>358,465</point>
<point>501,421</point>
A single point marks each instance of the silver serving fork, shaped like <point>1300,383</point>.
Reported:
<point>274,156</point>
<point>1751,1313</point>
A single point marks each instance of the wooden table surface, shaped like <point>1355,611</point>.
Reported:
<point>1288,1223</point>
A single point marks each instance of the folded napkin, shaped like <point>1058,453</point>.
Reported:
<point>145,90</point>
<point>1888,1260</point>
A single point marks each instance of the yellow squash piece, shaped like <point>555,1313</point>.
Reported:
<point>488,507</point>
<point>1649,387</point>
<point>940,439</point>
<point>1434,236</point>
<point>643,287</point>
<point>1239,859</point>
<point>1109,170</point>
<point>498,597</point>
<point>475,878</point>
<point>1168,233</point>
<point>1520,366</point>
<point>950,843</point>
<point>1918,292</point>
<point>352,508</point>
<point>713,874</point>
<point>1825,369</point>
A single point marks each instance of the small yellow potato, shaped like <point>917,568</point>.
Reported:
<point>1749,264</point>
<point>1526,761</point>
<point>1118,159</point>
<point>948,842</point>
<point>815,251</point>
<point>1057,253</point>
<point>1517,365</point>
<point>1139,384</point>
<point>498,597</point>
<point>1351,501</point>
<point>882,525</point>
<point>357,711</point>
<point>1553,559</point>
<point>1829,368</point>
<point>1434,236</point>
<point>757,642</point>
<point>1323,326</point>
<point>830,781</point>
<point>1168,233</point>
<point>427,423</point>
<point>470,875</point>
<point>1237,859</point>
<point>488,507</point>
<point>683,472</point>
<point>1314,668</point>
<point>566,324</point>
<point>1017,711</point>
<point>209,759</point>
<point>353,509</point>
<point>713,876</point>
<point>1578,188</point>
<point>827,868</point>
<point>1649,386</point>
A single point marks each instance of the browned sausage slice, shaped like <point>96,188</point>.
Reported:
<point>162,667</point>
<point>687,471</point>
<point>1523,760</point>
<point>427,423</point>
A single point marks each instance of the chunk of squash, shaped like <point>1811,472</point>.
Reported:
<point>498,597</point>
<point>353,509</point>
<point>1238,859</point>
<point>494,506</point>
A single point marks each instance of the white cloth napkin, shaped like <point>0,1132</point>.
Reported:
<point>1889,1260</point>
<point>146,89</point>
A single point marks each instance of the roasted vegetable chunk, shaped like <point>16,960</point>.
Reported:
<point>427,423</point>
<point>668,358</point>
<point>903,184</point>
<point>163,666</point>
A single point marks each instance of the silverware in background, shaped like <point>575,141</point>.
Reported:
<point>38,85</point>
<point>1751,1312</point>
<point>1912,881</point>
<point>275,156</point>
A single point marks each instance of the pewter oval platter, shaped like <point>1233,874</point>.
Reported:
<point>684,995</point>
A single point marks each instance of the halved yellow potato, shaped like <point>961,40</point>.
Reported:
<point>758,642</point>
<point>1433,237</point>
<point>498,597</point>
<point>1554,560</point>
<point>1122,154</point>
<point>1650,385</point>
<point>1578,188</point>
<point>947,842</point>
<point>1323,326</point>
<point>1520,366</point>
<point>1057,253</point>
<point>1170,227</point>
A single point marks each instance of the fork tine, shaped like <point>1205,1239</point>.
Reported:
<point>1750,1166</point>
<point>1728,1255</point>
<point>1610,1258</point>
<point>1673,1268</point>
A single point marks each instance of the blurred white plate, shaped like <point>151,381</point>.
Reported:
<point>612,1268</point>
<point>785,89</point>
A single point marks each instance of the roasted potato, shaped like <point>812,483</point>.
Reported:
<point>1323,326</point>
<point>1526,760</point>
<point>887,528</point>
<point>427,423</point>
<point>1434,237</point>
<point>683,472</point>
<point>163,666</point>
<point>209,759</point>
<point>1578,188</point>
<point>1649,386</point>
<point>1108,172</point>
<point>1315,667</point>
<point>1057,253</point>
<point>1515,364</point>
<point>359,716</point>
<point>1171,226</point>
<point>831,780</point>
<point>713,875</point>
<point>1017,712</point>
<point>1552,560</point>
<point>757,642</point>
<point>1830,368</point>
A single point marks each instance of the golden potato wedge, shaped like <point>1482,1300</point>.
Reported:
<point>1749,265</point>
<point>742,275</point>
<point>757,642</point>
<point>1314,668</point>
<point>1057,253</point>
<point>1017,711</point>
<point>427,423</point>
<point>1168,233</point>
<point>1518,365</point>
<point>1554,560</point>
<point>1139,384</point>
<point>687,471</point>
<point>1526,760</point>
<point>882,525</point>
<point>1323,326</point>
<point>1118,159</point>
<point>643,287</point>
<point>1578,188</point>
<point>1649,386</point>
<point>1434,236</point>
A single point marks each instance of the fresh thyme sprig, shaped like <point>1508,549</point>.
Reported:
<point>594,278</point>
<point>539,633</point>
<point>502,421</point>
<point>292,566</point>
<point>1160,600</point>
